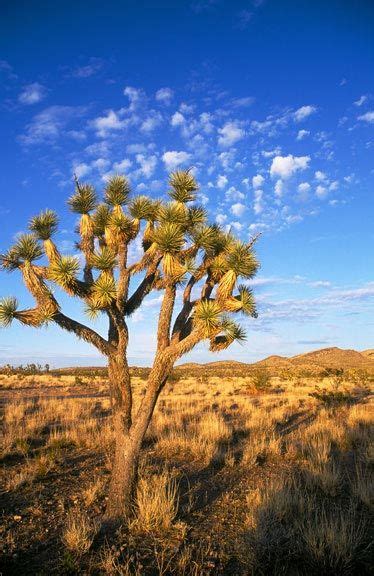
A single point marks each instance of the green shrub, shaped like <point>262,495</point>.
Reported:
<point>332,398</point>
<point>261,379</point>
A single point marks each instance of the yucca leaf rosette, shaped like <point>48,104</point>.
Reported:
<point>183,186</point>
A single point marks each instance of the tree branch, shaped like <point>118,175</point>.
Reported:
<point>83,332</point>
<point>166,312</point>
<point>142,290</point>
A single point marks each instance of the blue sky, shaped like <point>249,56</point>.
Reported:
<point>271,102</point>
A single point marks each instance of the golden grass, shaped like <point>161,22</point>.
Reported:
<point>318,459</point>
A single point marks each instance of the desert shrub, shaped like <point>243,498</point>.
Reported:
<point>261,379</point>
<point>332,398</point>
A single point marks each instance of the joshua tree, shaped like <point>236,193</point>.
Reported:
<point>195,265</point>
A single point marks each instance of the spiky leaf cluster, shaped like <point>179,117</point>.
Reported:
<point>26,249</point>
<point>101,219</point>
<point>231,332</point>
<point>241,260</point>
<point>207,315</point>
<point>117,190</point>
<point>84,200</point>
<point>103,291</point>
<point>105,259</point>
<point>44,225</point>
<point>168,237</point>
<point>8,308</point>
<point>143,208</point>
<point>183,186</point>
<point>64,271</point>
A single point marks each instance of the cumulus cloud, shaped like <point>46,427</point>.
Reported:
<point>151,122</point>
<point>172,159</point>
<point>81,170</point>
<point>321,191</point>
<point>238,209</point>
<point>32,94</point>
<point>233,194</point>
<point>286,166</point>
<point>302,134</point>
<point>304,112</point>
<point>230,133</point>
<point>257,204</point>
<point>320,176</point>
<point>147,164</point>
<point>135,96</point>
<point>222,181</point>
<point>278,188</point>
<point>304,187</point>
<point>257,181</point>
<point>164,95</point>
<point>107,123</point>
<point>123,165</point>
<point>367,117</point>
<point>177,119</point>
<point>221,218</point>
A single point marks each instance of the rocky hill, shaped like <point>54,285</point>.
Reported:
<point>314,361</point>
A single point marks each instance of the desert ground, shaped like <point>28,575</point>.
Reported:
<point>246,469</point>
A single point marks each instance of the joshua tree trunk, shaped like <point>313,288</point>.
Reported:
<point>128,441</point>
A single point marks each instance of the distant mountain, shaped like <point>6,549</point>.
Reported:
<point>368,353</point>
<point>324,358</point>
<point>314,361</point>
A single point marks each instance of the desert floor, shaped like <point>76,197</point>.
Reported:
<point>234,480</point>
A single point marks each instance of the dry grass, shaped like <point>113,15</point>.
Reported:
<point>79,532</point>
<point>253,482</point>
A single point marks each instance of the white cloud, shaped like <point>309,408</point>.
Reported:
<point>367,117</point>
<point>164,95</point>
<point>135,96</point>
<point>257,181</point>
<point>302,134</point>
<point>105,124</point>
<point>122,166</point>
<point>286,166</point>
<point>321,191</point>
<point>226,158</point>
<point>177,119</point>
<point>238,209</point>
<point>233,194</point>
<point>153,121</point>
<point>81,170</point>
<point>221,218</point>
<point>222,181</point>
<point>360,101</point>
<point>278,188</point>
<point>147,164</point>
<point>230,133</point>
<point>271,153</point>
<point>258,205</point>
<point>48,124</point>
<point>100,164</point>
<point>32,94</point>
<point>172,159</point>
<point>334,185</point>
<point>303,187</point>
<point>320,176</point>
<point>304,112</point>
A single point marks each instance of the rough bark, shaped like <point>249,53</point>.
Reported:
<point>128,443</point>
